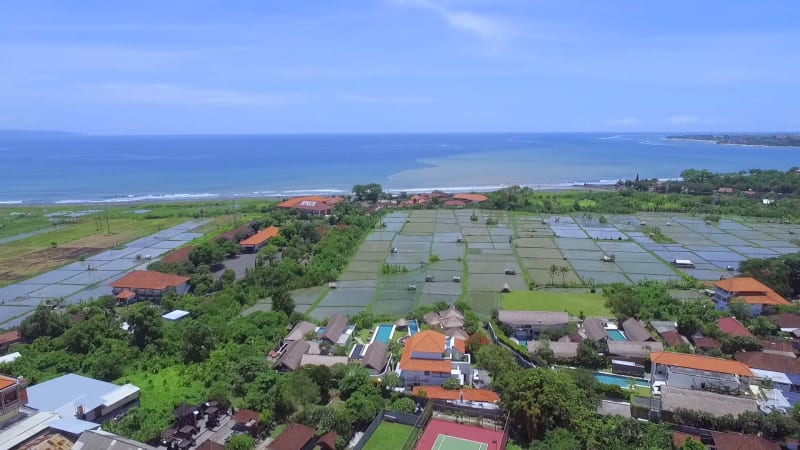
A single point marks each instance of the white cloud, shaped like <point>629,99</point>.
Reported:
<point>176,95</point>
<point>624,122</point>
<point>488,29</point>
<point>683,119</point>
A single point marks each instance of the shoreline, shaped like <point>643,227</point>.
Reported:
<point>715,142</point>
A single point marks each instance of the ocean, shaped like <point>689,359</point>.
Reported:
<point>86,169</point>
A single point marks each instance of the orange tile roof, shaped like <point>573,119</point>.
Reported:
<point>771,298</point>
<point>11,336</point>
<point>294,202</point>
<point>698,362</point>
<point>125,294</point>
<point>7,381</point>
<point>262,236</point>
<point>477,198</point>
<point>149,279</point>
<point>427,341</point>
<point>470,395</point>
<point>751,291</point>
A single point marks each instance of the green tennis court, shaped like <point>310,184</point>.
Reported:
<point>445,442</point>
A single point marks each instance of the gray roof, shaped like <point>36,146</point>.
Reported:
<point>533,317</point>
<point>65,393</point>
<point>103,440</point>
<point>335,327</point>
<point>664,325</point>
<point>594,329</point>
<point>457,333</point>
<point>560,349</point>
<point>718,405</point>
<point>635,330</point>
<point>376,356</point>
<point>322,360</point>
<point>300,330</point>
<point>293,354</point>
<point>634,349</point>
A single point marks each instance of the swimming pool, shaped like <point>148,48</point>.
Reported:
<point>610,378</point>
<point>413,328</point>
<point>383,333</point>
<point>616,335</point>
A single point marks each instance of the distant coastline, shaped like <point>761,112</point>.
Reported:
<point>753,140</point>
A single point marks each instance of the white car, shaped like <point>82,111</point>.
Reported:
<point>476,376</point>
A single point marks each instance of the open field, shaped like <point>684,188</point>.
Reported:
<point>389,435</point>
<point>574,302</point>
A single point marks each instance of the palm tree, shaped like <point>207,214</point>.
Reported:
<point>563,270</point>
<point>553,272</point>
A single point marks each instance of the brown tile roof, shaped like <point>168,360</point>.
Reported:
<point>700,363</point>
<point>594,329</point>
<point>729,325</point>
<point>706,342</point>
<point>469,395</point>
<point>178,256</point>
<point>738,441</point>
<point>294,437</point>
<point>560,349</point>
<point>376,356</point>
<point>777,347</point>
<point>262,236</point>
<point>10,337</point>
<point>210,445</point>
<point>635,330</point>
<point>679,438</point>
<point>769,361</point>
<point>125,294</point>
<point>672,338</point>
<point>454,203</point>
<point>751,291</point>
<point>337,323</point>
<point>245,416</point>
<point>149,279</point>
<point>300,330</point>
<point>786,320</point>
<point>327,441</point>
<point>516,318</point>
<point>293,354</point>
<point>634,349</point>
<point>475,198</point>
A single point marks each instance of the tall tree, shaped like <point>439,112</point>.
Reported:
<point>282,301</point>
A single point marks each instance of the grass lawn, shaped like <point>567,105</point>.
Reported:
<point>389,435</point>
<point>591,304</point>
<point>278,430</point>
<point>167,388</point>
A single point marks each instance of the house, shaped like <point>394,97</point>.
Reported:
<point>336,330</point>
<point>455,203</point>
<point>148,285</point>
<point>327,441</point>
<point>635,330</point>
<point>247,420</point>
<point>739,441</point>
<point>48,441</point>
<point>292,355</point>
<point>706,343</point>
<point>322,360</point>
<point>471,198</point>
<point>672,338</point>
<point>594,329</point>
<point>725,190</point>
<point>299,331</point>
<point>254,243</point>
<point>782,348</point>
<point>13,393</point>
<point>718,405</point>
<point>634,350</point>
<point>528,325</point>
<point>759,298</point>
<point>315,205</point>
<point>662,326</point>
<point>699,372</point>
<point>786,322</point>
<point>376,357</point>
<point>561,350</point>
<point>464,395</point>
<point>768,361</point>
<point>103,440</point>
<point>175,315</point>
<point>729,325</point>
<point>8,339</point>
<point>210,445</point>
<point>82,398</point>
<point>430,358</point>
<point>449,318</point>
<point>294,437</point>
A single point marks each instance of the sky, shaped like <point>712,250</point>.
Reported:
<point>365,66</point>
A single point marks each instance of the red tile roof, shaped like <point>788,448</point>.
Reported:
<point>751,291</point>
<point>10,337</point>
<point>679,438</point>
<point>698,362</point>
<point>475,198</point>
<point>470,395</point>
<point>149,279</point>
<point>178,256</point>
<point>672,338</point>
<point>427,341</point>
<point>125,294</point>
<point>244,416</point>
<point>294,437</point>
<point>786,320</point>
<point>778,346</point>
<point>262,236</point>
<point>328,441</point>
<point>729,325</point>
<point>738,441</point>
<point>210,445</point>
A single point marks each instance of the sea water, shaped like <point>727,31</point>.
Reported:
<point>76,168</point>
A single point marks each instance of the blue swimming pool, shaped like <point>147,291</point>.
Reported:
<point>609,378</point>
<point>413,328</point>
<point>383,333</point>
<point>616,335</point>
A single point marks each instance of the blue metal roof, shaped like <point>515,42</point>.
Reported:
<point>65,393</point>
<point>794,378</point>
<point>73,426</point>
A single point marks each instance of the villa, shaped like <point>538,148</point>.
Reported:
<point>697,372</point>
<point>759,298</point>
<point>258,240</point>
<point>594,330</point>
<point>527,325</point>
<point>314,205</point>
<point>150,285</point>
<point>635,330</point>
<point>430,358</point>
<point>336,331</point>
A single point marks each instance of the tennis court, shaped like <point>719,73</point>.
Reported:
<point>442,435</point>
<point>444,442</point>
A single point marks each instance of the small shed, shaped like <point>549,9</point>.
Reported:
<point>177,314</point>
<point>506,288</point>
<point>401,323</point>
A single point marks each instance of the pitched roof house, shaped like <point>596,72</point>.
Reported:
<point>292,355</point>
<point>467,395</point>
<point>294,437</point>
<point>430,357</point>
<point>729,325</point>
<point>635,330</point>
<point>697,362</point>
<point>634,349</point>
<point>786,322</point>
<point>336,325</point>
<point>299,331</point>
<point>672,338</point>
<point>594,329</point>
<point>376,357</point>
<point>260,239</point>
<point>739,441</point>
<point>148,285</point>
<point>562,350</point>
<point>759,297</point>
<point>769,361</point>
<point>472,198</point>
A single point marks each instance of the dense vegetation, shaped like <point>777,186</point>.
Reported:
<point>778,140</point>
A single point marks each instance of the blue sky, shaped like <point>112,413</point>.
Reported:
<point>399,66</point>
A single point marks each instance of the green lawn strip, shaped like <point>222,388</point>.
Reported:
<point>389,435</point>
<point>514,249</point>
<point>277,430</point>
<point>592,305</point>
<point>162,392</point>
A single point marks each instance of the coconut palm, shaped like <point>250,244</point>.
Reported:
<point>563,270</point>
<point>553,272</point>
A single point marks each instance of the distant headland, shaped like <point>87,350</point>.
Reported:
<point>772,140</point>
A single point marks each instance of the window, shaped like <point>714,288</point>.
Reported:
<point>427,373</point>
